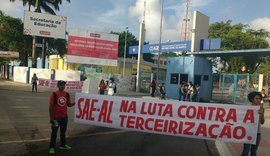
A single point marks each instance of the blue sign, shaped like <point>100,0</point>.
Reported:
<point>165,47</point>
<point>210,44</point>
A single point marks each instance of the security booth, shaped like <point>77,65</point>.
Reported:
<point>197,70</point>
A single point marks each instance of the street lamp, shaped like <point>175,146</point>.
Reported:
<point>125,51</point>
<point>160,31</point>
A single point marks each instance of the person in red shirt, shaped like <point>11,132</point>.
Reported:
<point>59,101</point>
<point>102,87</point>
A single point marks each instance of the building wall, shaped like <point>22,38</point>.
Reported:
<point>56,62</point>
<point>203,67</point>
<point>178,65</point>
<point>199,30</point>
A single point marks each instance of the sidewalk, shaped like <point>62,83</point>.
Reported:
<point>234,149</point>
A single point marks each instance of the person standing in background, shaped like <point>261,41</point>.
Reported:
<point>102,87</point>
<point>153,86</point>
<point>34,82</point>
<point>111,87</point>
<point>162,91</point>
<point>264,96</point>
<point>190,91</point>
<point>182,93</point>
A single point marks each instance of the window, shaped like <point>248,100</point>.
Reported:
<point>183,78</point>
<point>197,80</point>
<point>174,78</point>
<point>205,77</point>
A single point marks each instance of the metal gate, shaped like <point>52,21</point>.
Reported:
<point>234,88</point>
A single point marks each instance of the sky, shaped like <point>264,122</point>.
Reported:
<point>115,15</point>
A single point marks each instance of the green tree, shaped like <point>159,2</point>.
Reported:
<point>11,37</point>
<point>236,37</point>
<point>168,54</point>
<point>57,46</point>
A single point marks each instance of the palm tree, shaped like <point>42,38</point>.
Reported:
<point>46,5</point>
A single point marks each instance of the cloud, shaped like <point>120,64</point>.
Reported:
<point>200,3</point>
<point>173,13</point>
<point>105,16</point>
<point>115,15</point>
<point>14,9</point>
<point>153,17</point>
<point>260,23</point>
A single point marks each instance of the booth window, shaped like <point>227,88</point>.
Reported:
<point>174,78</point>
<point>197,80</point>
<point>205,77</point>
<point>183,78</point>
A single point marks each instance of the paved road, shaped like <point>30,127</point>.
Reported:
<point>25,130</point>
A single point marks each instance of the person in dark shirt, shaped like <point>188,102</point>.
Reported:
<point>153,86</point>
<point>162,91</point>
<point>34,82</point>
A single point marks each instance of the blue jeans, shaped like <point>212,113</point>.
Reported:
<point>252,148</point>
<point>181,95</point>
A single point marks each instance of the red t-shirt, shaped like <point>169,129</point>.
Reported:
<point>60,107</point>
<point>102,86</point>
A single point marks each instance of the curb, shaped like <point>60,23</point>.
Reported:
<point>222,149</point>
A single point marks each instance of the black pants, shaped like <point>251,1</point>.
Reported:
<point>62,123</point>
<point>34,85</point>
<point>153,91</point>
<point>101,92</point>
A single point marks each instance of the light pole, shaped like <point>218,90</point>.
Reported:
<point>125,51</point>
<point>160,32</point>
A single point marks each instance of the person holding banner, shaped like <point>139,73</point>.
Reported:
<point>255,98</point>
<point>59,101</point>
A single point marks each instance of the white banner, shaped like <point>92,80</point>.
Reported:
<point>44,25</point>
<point>41,73</point>
<point>20,74</point>
<point>91,60</point>
<point>229,123</point>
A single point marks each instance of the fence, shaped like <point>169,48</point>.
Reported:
<point>234,88</point>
